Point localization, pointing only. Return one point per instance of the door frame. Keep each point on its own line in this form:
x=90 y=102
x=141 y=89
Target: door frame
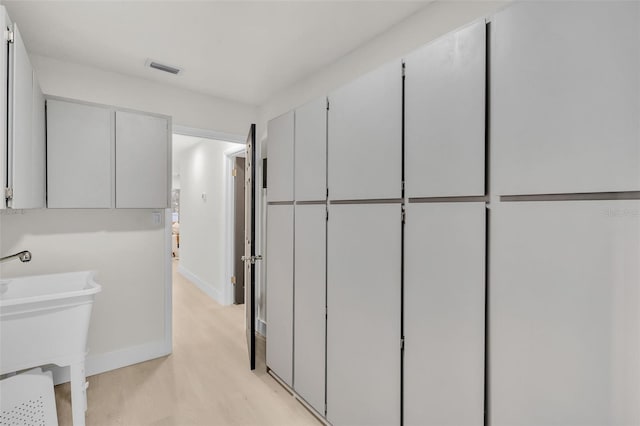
x=230 y=220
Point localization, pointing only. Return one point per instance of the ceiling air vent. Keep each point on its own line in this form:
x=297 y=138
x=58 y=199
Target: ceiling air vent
x=163 y=67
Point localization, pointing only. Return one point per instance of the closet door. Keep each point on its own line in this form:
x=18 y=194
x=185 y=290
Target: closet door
x=280 y=158
x=79 y=155
x=363 y=323
x=565 y=80
x=311 y=151
x=565 y=313
x=310 y=303
x=445 y=115
x=365 y=137
x=444 y=314
x=143 y=166
x=279 y=259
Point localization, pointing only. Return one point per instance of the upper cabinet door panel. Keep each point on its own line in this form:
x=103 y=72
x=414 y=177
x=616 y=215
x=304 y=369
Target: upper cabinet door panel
x=311 y=151
x=79 y=160
x=566 y=97
x=365 y=136
x=3 y=107
x=26 y=142
x=280 y=136
x=142 y=159
x=565 y=313
x=445 y=116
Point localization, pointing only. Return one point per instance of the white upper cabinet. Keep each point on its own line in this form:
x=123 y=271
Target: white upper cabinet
x=143 y=154
x=280 y=134
x=311 y=151
x=445 y=116
x=4 y=23
x=365 y=136
x=26 y=121
x=565 y=80
x=79 y=155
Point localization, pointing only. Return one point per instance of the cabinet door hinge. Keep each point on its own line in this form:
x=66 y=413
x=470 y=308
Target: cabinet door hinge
x=404 y=69
x=327 y=214
x=404 y=215
x=327 y=104
x=233 y=279
x=234 y=172
x=402 y=343
x=8 y=193
x=10 y=35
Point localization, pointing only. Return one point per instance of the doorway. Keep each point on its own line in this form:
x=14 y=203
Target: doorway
x=238 y=229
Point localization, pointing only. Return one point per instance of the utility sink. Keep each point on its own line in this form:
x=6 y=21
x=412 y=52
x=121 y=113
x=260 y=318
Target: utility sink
x=44 y=319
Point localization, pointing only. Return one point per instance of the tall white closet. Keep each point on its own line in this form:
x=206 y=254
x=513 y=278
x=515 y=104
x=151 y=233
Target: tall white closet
x=453 y=238
x=564 y=275
x=310 y=253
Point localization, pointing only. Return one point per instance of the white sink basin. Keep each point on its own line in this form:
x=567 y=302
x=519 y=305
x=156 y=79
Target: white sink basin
x=44 y=319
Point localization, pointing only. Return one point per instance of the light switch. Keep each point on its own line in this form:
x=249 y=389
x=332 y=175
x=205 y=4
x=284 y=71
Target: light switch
x=204 y=197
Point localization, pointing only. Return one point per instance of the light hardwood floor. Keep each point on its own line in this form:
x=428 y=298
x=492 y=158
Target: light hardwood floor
x=206 y=381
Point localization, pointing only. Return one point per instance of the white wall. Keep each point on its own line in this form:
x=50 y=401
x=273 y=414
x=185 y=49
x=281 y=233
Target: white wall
x=128 y=253
x=417 y=30
x=187 y=108
x=203 y=230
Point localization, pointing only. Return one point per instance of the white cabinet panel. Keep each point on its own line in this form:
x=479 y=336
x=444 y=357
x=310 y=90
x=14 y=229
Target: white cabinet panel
x=566 y=97
x=365 y=136
x=445 y=116
x=310 y=303
x=565 y=313
x=280 y=158
x=311 y=151
x=79 y=155
x=4 y=55
x=279 y=259
x=444 y=312
x=142 y=160
x=26 y=140
x=363 y=324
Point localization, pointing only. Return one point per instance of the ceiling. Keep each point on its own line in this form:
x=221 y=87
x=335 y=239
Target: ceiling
x=244 y=51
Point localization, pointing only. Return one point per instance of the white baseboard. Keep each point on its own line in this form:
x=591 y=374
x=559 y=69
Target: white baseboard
x=208 y=288
x=100 y=363
x=261 y=328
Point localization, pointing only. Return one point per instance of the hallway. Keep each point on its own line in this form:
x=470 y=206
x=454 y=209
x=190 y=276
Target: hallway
x=206 y=381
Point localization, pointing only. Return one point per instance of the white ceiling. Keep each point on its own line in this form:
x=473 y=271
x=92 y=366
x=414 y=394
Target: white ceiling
x=239 y=50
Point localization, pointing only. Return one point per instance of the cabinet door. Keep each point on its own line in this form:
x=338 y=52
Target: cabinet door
x=4 y=55
x=444 y=311
x=280 y=158
x=311 y=151
x=79 y=155
x=445 y=116
x=363 y=323
x=142 y=161
x=365 y=137
x=310 y=304
x=280 y=291
x=565 y=313
x=566 y=97
x=26 y=139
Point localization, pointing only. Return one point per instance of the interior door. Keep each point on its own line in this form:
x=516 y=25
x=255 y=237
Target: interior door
x=249 y=257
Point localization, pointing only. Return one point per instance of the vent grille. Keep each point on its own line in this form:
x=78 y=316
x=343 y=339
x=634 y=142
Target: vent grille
x=163 y=67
